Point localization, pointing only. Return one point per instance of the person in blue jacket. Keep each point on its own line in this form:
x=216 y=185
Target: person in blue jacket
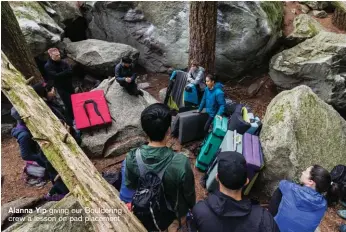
x=302 y=207
x=213 y=100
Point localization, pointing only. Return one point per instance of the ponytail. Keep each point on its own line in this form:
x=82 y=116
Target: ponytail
x=333 y=193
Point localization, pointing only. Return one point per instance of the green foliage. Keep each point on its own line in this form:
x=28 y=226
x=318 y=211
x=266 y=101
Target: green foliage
x=275 y=13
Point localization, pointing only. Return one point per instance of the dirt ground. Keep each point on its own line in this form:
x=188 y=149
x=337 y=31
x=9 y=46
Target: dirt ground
x=292 y=9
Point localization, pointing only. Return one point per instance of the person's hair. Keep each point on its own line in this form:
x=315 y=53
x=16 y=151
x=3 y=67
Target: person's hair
x=212 y=77
x=42 y=88
x=126 y=60
x=194 y=63
x=156 y=120
x=324 y=185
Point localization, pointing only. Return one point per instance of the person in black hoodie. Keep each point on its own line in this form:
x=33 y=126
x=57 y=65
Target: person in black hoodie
x=225 y=210
x=59 y=73
x=126 y=77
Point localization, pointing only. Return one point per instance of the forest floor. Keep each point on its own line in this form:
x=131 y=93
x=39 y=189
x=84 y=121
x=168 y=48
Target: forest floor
x=13 y=186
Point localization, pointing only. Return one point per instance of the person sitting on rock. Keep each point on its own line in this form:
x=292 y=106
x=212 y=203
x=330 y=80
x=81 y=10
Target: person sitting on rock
x=60 y=74
x=213 y=100
x=31 y=151
x=126 y=77
x=178 y=179
x=302 y=207
x=225 y=209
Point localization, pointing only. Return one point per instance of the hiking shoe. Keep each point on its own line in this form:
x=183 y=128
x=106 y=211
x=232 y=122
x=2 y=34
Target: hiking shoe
x=33 y=181
x=54 y=197
x=139 y=92
x=41 y=183
x=342 y=213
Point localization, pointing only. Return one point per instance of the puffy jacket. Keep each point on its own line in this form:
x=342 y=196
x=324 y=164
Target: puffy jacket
x=301 y=208
x=222 y=213
x=126 y=194
x=28 y=147
x=213 y=100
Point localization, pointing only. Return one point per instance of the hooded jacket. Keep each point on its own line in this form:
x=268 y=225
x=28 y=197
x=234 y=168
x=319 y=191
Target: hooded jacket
x=301 y=208
x=213 y=100
x=177 y=177
x=197 y=78
x=28 y=147
x=60 y=73
x=222 y=213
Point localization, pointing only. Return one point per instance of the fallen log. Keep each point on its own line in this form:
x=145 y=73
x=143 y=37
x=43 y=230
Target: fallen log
x=74 y=167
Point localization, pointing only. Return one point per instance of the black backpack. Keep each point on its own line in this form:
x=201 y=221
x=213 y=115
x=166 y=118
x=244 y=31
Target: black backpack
x=338 y=175
x=149 y=203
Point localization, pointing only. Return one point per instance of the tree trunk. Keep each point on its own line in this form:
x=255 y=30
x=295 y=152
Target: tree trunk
x=202 y=23
x=74 y=167
x=13 y=44
x=339 y=17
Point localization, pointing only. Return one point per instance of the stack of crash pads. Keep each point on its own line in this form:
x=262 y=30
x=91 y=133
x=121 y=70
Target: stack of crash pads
x=175 y=92
x=244 y=121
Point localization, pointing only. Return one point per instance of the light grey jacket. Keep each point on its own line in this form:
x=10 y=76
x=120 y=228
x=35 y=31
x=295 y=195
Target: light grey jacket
x=197 y=77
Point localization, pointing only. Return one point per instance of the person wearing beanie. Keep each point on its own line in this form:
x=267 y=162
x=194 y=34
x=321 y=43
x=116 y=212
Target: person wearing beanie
x=59 y=73
x=125 y=76
x=225 y=210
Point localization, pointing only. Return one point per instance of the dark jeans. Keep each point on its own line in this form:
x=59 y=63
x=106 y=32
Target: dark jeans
x=207 y=125
x=58 y=186
x=66 y=99
x=131 y=88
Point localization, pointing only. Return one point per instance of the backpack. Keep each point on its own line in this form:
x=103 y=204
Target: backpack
x=338 y=175
x=149 y=203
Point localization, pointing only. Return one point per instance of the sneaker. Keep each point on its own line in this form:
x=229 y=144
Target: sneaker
x=33 y=181
x=41 y=183
x=342 y=213
x=55 y=197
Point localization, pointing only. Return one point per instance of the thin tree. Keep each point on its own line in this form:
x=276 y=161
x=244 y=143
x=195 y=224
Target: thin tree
x=76 y=170
x=202 y=22
x=13 y=44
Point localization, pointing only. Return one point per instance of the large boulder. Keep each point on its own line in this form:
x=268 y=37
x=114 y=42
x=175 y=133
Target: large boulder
x=319 y=62
x=305 y=27
x=246 y=32
x=66 y=215
x=124 y=133
x=316 y=5
x=100 y=57
x=39 y=29
x=300 y=130
x=63 y=12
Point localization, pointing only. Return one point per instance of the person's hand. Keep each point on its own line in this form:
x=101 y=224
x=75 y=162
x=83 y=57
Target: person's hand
x=197 y=112
x=219 y=117
x=128 y=79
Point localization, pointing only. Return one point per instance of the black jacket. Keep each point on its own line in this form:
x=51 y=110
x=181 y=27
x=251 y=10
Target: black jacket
x=60 y=73
x=122 y=72
x=222 y=213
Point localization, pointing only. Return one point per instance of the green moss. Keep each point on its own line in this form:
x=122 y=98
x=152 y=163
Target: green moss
x=30 y=6
x=339 y=5
x=313 y=29
x=275 y=13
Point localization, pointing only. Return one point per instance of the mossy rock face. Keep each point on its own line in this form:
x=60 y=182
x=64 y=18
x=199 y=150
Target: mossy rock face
x=319 y=63
x=300 y=130
x=54 y=214
x=305 y=27
x=39 y=29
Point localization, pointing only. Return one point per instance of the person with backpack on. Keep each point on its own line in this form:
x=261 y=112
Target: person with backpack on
x=59 y=73
x=126 y=77
x=213 y=100
x=302 y=207
x=225 y=210
x=163 y=179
